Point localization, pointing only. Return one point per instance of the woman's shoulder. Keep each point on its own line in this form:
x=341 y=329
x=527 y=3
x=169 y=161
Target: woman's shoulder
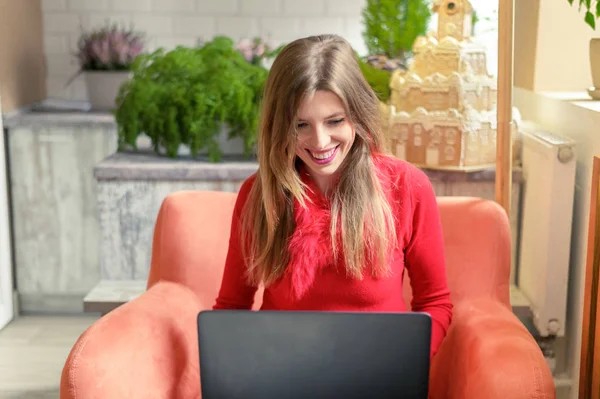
x=247 y=184
x=244 y=192
x=401 y=174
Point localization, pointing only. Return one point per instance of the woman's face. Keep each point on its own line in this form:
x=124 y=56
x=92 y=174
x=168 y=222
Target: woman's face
x=325 y=136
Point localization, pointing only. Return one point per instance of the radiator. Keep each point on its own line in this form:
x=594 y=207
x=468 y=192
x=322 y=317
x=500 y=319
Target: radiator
x=548 y=165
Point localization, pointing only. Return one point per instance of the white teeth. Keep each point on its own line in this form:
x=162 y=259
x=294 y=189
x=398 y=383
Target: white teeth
x=323 y=155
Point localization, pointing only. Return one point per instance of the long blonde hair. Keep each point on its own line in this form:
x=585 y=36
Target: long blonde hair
x=359 y=206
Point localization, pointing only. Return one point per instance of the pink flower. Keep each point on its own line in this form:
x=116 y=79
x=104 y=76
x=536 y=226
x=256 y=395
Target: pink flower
x=101 y=50
x=108 y=48
x=260 y=49
x=253 y=50
x=244 y=44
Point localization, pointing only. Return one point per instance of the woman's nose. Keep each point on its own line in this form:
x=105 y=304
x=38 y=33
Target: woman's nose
x=321 y=138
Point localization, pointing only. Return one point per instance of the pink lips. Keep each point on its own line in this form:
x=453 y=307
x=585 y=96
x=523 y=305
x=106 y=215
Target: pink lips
x=327 y=160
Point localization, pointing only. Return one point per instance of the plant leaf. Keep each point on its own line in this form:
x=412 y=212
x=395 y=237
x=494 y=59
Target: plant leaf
x=588 y=4
x=590 y=20
x=598 y=9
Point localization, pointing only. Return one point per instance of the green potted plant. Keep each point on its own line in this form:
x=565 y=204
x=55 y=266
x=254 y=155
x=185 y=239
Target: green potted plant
x=592 y=13
x=105 y=57
x=391 y=27
x=378 y=79
x=191 y=97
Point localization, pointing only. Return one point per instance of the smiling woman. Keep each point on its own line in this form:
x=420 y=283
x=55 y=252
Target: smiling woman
x=320 y=77
x=325 y=136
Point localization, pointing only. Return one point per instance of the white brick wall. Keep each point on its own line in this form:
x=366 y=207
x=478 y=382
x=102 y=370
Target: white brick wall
x=88 y=5
x=168 y=23
x=131 y=5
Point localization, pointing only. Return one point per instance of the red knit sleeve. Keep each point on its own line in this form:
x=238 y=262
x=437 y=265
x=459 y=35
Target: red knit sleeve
x=425 y=258
x=235 y=292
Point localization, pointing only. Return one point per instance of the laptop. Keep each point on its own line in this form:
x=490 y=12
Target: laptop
x=316 y=355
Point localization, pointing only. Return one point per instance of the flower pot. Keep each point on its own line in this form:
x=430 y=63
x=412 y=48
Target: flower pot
x=228 y=146
x=594 y=91
x=103 y=88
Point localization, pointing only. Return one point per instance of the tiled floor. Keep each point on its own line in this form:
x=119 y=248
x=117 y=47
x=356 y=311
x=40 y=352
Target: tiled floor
x=33 y=350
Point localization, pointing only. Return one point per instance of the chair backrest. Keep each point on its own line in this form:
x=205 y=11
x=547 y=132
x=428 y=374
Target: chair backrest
x=478 y=249
x=192 y=234
x=190 y=242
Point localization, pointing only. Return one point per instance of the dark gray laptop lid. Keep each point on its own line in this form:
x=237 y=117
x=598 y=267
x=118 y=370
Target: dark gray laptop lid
x=301 y=355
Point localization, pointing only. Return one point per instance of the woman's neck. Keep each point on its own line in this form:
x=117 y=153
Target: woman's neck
x=323 y=183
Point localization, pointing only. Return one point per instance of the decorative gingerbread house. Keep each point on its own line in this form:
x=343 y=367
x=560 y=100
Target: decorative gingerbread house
x=455 y=18
x=442 y=111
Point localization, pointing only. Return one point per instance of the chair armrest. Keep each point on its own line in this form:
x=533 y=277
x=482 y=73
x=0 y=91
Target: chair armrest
x=488 y=353
x=146 y=348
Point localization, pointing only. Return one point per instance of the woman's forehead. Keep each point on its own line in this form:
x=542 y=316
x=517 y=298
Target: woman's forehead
x=320 y=104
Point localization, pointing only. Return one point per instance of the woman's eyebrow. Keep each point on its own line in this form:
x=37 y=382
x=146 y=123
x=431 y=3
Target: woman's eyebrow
x=339 y=113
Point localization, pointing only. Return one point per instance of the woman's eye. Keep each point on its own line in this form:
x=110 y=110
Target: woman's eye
x=336 y=121
x=301 y=125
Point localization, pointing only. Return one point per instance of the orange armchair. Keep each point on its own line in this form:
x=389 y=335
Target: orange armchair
x=148 y=347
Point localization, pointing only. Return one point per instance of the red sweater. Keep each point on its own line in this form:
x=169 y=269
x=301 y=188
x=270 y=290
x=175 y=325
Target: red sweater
x=313 y=282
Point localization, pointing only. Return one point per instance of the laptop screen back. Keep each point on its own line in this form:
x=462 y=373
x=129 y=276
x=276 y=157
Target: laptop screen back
x=299 y=355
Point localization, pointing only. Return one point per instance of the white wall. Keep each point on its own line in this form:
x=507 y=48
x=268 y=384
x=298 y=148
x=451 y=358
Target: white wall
x=560 y=46
x=562 y=59
x=168 y=23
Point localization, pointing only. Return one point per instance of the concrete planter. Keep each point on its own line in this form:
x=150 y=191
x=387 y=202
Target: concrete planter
x=230 y=147
x=130 y=189
x=103 y=87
